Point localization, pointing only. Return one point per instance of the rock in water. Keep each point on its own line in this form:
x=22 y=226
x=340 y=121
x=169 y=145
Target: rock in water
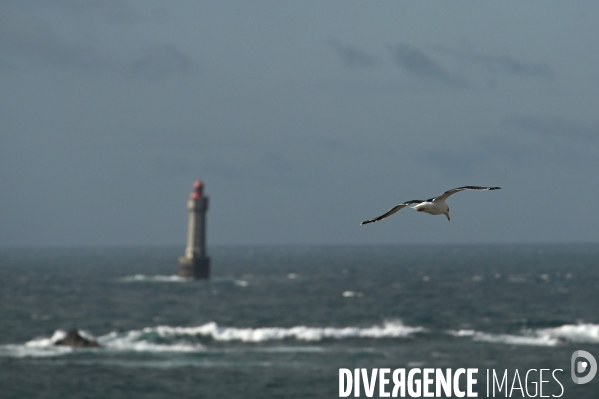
x=75 y=340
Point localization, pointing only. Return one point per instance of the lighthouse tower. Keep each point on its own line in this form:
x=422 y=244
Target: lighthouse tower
x=195 y=263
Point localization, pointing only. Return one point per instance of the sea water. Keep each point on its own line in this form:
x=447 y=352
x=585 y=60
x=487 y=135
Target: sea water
x=280 y=322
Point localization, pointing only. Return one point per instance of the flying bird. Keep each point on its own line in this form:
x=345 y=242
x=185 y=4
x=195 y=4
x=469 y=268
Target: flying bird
x=432 y=206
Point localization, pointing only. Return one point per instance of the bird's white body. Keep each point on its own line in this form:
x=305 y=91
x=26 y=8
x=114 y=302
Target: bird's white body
x=438 y=207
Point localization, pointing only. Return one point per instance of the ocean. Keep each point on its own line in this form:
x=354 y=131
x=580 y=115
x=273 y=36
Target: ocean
x=280 y=322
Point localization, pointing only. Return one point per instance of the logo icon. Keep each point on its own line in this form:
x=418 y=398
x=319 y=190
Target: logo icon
x=578 y=366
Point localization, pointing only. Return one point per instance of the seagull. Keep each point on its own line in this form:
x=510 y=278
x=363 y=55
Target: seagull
x=432 y=206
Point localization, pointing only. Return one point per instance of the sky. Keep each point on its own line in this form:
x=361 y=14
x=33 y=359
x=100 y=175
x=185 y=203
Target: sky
x=303 y=118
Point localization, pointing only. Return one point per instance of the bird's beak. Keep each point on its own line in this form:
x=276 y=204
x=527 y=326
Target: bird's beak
x=448 y=218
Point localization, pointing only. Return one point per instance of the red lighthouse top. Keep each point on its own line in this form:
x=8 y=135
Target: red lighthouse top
x=198 y=189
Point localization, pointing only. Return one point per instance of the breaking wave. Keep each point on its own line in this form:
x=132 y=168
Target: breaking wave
x=508 y=339
x=575 y=333
x=154 y=279
x=131 y=341
x=164 y=339
x=39 y=347
x=390 y=329
x=187 y=339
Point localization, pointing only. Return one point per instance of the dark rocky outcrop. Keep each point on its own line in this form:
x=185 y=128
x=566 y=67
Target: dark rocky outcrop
x=75 y=340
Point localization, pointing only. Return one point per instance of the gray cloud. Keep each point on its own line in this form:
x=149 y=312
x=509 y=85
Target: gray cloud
x=352 y=56
x=417 y=63
x=497 y=63
x=513 y=66
x=552 y=127
x=161 y=62
x=549 y=141
x=27 y=40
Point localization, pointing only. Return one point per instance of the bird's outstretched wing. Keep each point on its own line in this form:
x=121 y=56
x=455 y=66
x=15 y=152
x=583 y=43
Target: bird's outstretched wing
x=391 y=211
x=455 y=190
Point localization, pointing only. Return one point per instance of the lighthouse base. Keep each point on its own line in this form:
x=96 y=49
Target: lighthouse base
x=196 y=268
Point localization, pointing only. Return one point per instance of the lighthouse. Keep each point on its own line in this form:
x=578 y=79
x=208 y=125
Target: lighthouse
x=195 y=263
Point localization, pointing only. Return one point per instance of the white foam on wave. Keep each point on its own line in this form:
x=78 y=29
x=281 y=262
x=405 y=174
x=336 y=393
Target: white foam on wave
x=45 y=342
x=352 y=294
x=154 y=279
x=140 y=341
x=131 y=341
x=38 y=347
x=390 y=329
x=508 y=339
x=578 y=333
x=21 y=351
x=184 y=339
